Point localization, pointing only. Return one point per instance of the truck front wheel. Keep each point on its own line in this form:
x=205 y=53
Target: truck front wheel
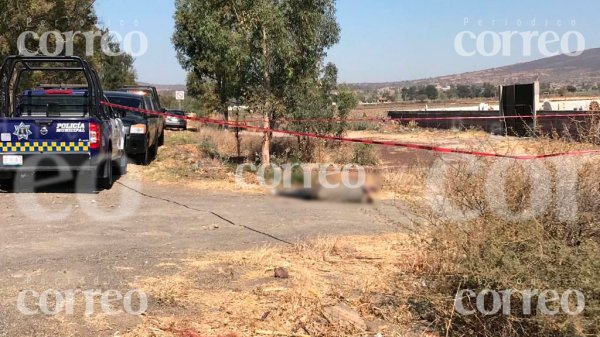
x=144 y=158
x=161 y=139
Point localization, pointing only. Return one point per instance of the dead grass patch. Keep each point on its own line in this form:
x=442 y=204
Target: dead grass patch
x=238 y=293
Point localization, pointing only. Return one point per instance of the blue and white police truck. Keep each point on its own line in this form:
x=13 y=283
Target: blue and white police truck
x=58 y=127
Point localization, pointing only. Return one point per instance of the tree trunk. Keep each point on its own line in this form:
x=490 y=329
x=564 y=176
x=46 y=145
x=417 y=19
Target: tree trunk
x=266 y=146
x=224 y=102
x=238 y=141
x=225 y=114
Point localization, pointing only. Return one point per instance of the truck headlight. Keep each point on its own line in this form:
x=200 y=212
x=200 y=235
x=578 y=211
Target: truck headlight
x=138 y=129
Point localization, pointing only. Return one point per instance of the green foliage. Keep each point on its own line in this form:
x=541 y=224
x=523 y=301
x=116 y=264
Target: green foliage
x=209 y=148
x=422 y=98
x=202 y=96
x=181 y=138
x=562 y=91
x=421 y=94
x=365 y=154
x=213 y=45
x=263 y=53
x=346 y=102
x=431 y=92
x=464 y=91
x=114 y=71
x=42 y=16
x=489 y=90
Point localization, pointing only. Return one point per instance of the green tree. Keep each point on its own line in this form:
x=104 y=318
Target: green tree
x=346 y=101
x=412 y=93
x=562 y=91
x=213 y=44
x=451 y=93
x=404 y=94
x=257 y=50
x=489 y=90
x=476 y=91
x=463 y=91
x=168 y=101
x=431 y=92
x=39 y=16
x=422 y=98
x=205 y=94
x=115 y=71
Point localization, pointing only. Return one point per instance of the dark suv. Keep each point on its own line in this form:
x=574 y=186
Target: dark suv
x=154 y=105
x=142 y=131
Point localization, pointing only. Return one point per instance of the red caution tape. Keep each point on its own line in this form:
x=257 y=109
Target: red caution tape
x=433 y=148
x=416 y=119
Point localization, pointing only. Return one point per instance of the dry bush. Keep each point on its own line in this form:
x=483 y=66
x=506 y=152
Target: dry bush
x=405 y=182
x=590 y=131
x=481 y=240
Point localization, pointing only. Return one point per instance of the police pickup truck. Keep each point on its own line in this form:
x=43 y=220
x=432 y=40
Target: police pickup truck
x=58 y=128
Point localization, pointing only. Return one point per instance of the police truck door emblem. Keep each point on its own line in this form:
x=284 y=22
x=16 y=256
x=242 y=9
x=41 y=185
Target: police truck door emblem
x=44 y=131
x=22 y=131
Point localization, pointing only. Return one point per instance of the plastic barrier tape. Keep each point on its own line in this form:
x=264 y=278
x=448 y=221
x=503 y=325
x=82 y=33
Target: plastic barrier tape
x=433 y=148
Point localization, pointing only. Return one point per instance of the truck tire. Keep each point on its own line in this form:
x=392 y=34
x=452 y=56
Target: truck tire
x=7 y=182
x=105 y=183
x=123 y=164
x=154 y=152
x=161 y=139
x=144 y=158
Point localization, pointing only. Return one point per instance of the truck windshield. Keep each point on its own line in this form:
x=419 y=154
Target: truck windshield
x=132 y=102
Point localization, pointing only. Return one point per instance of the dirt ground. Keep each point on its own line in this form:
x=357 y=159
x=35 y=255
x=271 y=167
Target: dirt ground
x=218 y=260
x=115 y=239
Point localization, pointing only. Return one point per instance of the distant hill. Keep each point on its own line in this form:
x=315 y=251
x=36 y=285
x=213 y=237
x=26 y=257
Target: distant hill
x=166 y=87
x=560 y=70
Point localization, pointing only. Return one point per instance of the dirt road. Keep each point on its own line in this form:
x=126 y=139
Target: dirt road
x=66 y=241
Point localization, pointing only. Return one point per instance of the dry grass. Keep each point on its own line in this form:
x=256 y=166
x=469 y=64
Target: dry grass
x=237 y=293
x=396 y=283
x=201 y=158
x=206 y=158
x=496 y=251
x=474 y=140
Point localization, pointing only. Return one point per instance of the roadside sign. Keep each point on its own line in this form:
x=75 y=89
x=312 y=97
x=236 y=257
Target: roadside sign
x=180 y=95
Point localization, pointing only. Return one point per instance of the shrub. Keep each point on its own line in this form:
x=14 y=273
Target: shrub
x=365 y=154
x=209 y=148
x=497 y=253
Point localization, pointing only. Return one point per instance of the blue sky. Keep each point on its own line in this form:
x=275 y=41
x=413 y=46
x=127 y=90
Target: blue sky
x=384 y=40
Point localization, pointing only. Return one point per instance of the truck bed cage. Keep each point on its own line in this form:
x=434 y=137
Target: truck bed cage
x=13 y=68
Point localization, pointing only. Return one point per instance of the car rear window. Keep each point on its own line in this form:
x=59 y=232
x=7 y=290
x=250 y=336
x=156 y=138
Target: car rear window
x=52 y=105
x=132 y=102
